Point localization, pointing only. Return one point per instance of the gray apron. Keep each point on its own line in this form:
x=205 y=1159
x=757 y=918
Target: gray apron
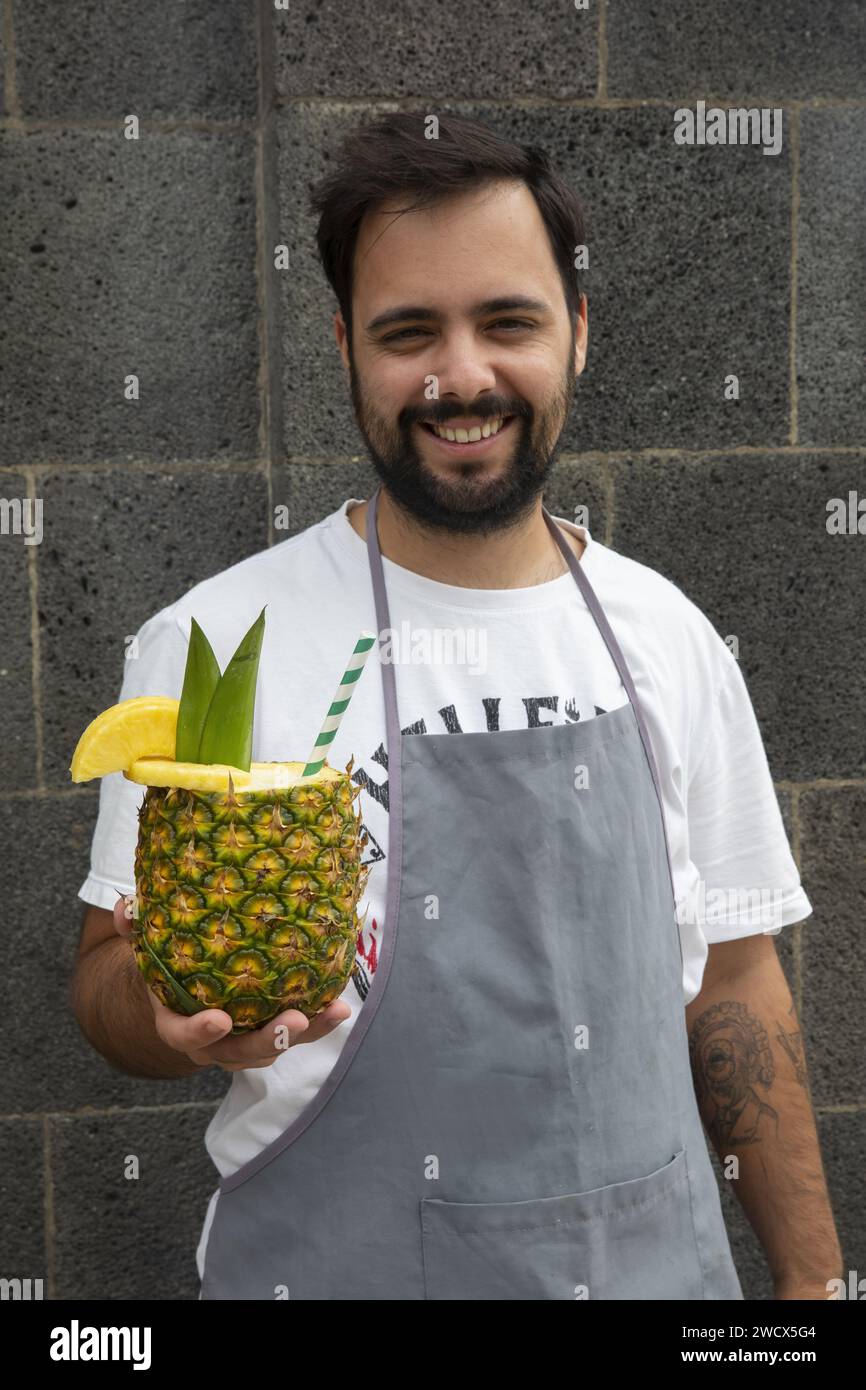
x=512 y=1115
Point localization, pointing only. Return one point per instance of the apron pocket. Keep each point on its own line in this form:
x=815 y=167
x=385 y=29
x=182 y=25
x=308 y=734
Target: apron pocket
x=630 y=1240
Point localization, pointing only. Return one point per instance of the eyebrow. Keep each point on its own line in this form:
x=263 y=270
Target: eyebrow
x=484 y=306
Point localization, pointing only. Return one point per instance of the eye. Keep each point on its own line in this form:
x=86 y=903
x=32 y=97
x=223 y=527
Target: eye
x=401 y=335
x=396 y=337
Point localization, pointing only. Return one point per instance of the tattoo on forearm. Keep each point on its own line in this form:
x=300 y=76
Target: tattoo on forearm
x=731 y=1056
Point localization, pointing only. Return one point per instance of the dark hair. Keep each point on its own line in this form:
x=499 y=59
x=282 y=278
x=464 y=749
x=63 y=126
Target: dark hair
x=392 y=157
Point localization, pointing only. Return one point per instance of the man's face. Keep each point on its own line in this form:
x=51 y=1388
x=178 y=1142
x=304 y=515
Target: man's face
x=508 y=361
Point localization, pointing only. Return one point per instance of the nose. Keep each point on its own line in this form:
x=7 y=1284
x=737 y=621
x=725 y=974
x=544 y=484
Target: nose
x=463 y=368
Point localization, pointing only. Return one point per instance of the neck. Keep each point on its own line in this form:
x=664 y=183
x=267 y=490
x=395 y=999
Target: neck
x=516 y=558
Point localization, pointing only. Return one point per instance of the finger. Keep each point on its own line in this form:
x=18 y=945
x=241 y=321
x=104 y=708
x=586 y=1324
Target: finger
x=123 y=919
x=325 y=1022
x=190 y=1033
x=262 y=1046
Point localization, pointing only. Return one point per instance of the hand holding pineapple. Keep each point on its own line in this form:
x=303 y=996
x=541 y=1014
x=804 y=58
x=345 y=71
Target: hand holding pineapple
x=247 y=874
x=206 y=1037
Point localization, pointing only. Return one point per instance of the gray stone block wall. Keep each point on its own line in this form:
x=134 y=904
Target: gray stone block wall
x=154 y=257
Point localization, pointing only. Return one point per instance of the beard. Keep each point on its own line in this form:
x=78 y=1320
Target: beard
x=482 y=497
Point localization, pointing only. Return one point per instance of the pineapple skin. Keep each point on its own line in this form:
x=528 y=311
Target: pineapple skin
x=248 y=899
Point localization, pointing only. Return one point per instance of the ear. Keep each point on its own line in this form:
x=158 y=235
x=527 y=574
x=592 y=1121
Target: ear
x=581 y=335
x=342 y=337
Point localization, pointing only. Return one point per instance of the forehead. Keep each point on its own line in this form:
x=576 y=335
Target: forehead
x=462 y=244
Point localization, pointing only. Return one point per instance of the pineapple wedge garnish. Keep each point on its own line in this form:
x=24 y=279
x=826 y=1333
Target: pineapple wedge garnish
x=123 y=733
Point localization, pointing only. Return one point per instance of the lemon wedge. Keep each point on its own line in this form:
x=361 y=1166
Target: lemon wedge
x=145 y=726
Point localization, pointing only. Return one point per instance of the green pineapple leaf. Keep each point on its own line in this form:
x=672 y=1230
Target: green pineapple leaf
x=187 y=1004
x=227 y=735
x=200 y=680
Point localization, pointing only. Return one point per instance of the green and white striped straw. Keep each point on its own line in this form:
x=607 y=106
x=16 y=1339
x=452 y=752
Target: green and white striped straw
x=340 y=702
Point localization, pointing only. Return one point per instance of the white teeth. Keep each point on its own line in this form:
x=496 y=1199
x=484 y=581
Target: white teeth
x=471 y=436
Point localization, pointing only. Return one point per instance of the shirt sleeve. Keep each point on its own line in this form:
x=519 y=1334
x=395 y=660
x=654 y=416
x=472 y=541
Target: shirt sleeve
x=749 y=881
x=155 y=666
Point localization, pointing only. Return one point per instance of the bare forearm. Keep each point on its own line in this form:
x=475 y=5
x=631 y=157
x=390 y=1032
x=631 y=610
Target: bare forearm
x=749 y=1069
x=114 y=1013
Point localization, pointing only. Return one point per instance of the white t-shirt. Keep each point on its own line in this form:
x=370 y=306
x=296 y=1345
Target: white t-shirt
x=542 y=661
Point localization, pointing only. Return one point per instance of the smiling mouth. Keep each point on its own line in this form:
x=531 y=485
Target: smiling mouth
x=459 y=439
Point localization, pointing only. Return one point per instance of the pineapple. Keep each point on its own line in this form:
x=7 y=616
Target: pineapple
x=247 y=874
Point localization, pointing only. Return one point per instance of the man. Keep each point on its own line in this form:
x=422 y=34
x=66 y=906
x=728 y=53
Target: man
x=507 y=1100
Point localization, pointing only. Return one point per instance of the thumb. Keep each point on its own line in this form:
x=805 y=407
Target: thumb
x=123 y=920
